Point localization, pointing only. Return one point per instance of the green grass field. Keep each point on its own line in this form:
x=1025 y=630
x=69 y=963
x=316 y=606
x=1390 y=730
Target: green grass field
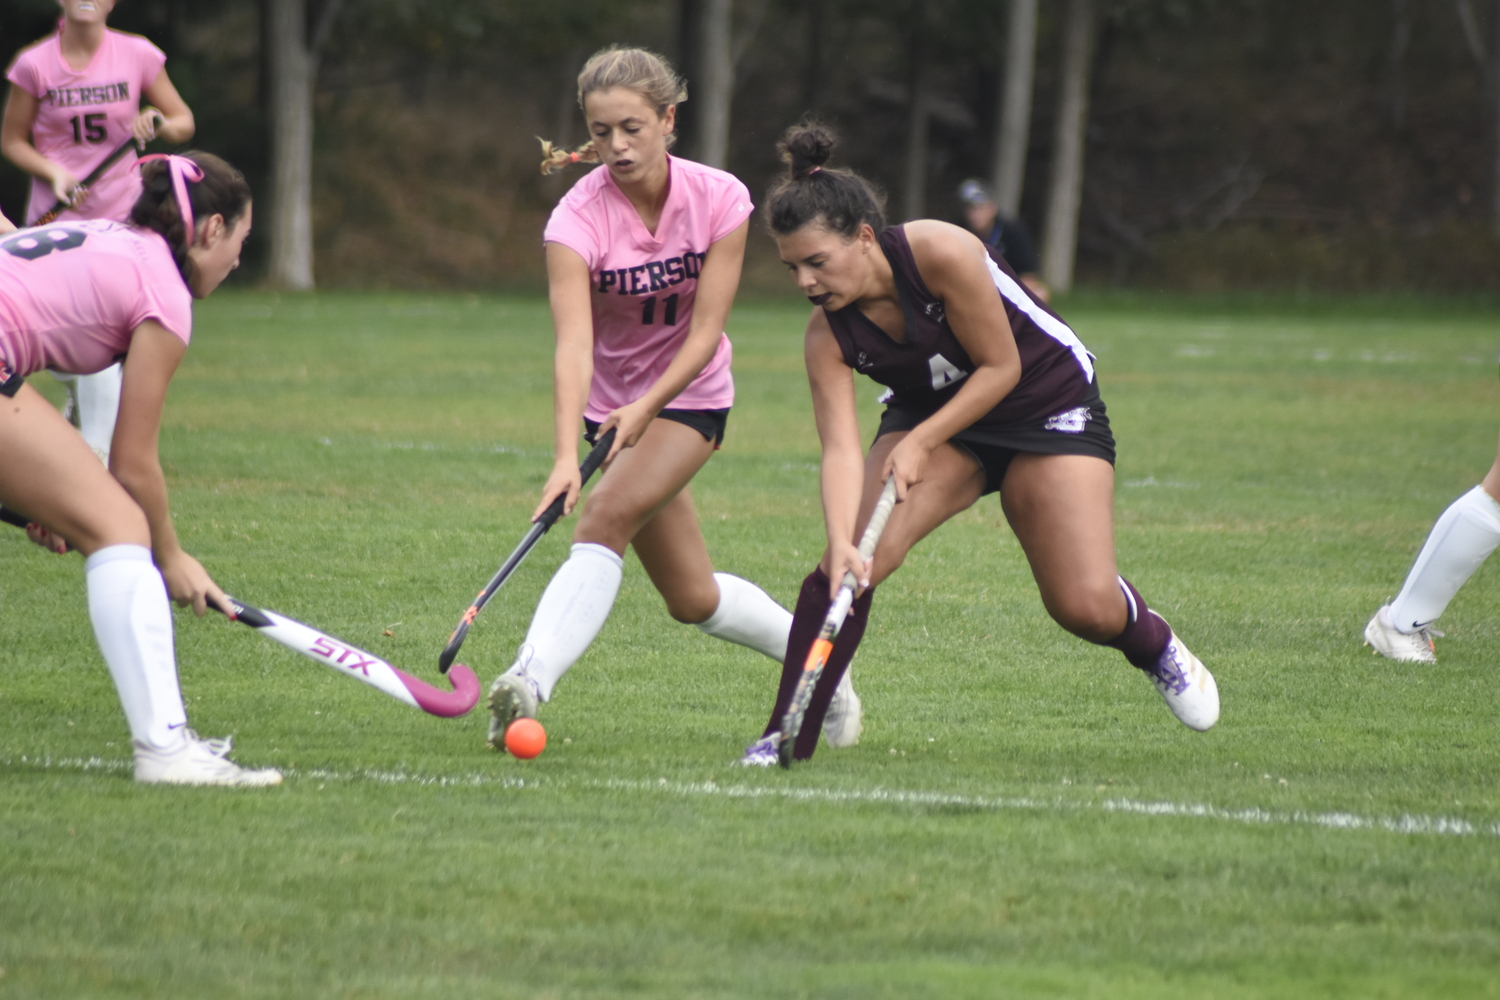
x=1023 y=817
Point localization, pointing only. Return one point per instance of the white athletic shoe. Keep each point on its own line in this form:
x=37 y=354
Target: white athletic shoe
x=197 y=762
x=761 y=753
x=512 y=697
x=1389 y=641
x=845 y=719
x=1186 y=686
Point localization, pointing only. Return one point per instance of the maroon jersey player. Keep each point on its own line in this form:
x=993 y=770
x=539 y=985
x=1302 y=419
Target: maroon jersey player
x=989 y=392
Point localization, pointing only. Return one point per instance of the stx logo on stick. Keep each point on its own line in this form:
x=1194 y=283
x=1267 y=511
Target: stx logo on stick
x=336 y=654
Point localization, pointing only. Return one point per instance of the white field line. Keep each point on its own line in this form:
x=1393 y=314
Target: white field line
x=1406 y=823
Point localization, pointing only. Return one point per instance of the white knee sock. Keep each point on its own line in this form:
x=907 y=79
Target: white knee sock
x=133 y=623
x=98 y=406
x=571 y=612
x=1462 y=539
x=747 y=615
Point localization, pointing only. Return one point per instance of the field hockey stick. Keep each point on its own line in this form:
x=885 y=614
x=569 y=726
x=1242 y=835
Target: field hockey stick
x=817 y=656
x=538 y=528
x=345 y=659
x=97 y=173
x=360 y=665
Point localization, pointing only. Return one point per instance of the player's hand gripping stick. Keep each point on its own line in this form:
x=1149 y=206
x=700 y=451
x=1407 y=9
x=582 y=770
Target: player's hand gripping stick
x=538 y=528
x=98 y=172
x=817 y=656
x=360 y=665
x=344 y=658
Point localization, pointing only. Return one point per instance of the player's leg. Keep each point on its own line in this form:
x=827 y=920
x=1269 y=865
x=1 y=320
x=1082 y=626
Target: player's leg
x=1463 y=538
x=94 y=405
x=636 y=485
x=49 y=474
x=673 y=553
x=1061 y=508
x=953 y=482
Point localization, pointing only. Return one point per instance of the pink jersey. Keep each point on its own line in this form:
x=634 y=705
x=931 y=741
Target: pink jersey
x=72 y=294
x=644 y=285
x=84 y=115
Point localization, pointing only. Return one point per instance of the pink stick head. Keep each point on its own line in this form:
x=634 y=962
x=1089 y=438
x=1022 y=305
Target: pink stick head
x=446 y=704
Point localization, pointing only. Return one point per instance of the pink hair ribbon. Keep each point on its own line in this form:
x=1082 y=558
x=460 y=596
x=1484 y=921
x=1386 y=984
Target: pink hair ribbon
x=182 y=170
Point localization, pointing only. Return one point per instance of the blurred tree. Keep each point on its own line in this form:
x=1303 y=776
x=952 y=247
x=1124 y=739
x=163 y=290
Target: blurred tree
x=715 y=92
x=1013 y=131
x=292 y=59
x=1070 y=126
x=919 y=85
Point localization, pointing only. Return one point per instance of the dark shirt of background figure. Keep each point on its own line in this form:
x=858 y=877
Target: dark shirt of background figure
x=1009 y=236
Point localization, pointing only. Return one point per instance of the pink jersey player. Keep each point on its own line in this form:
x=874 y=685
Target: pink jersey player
x=75 y=98
x=77 y=295
x=643 y=261
x=645 y=283
x=72 y=295
x=84 y=114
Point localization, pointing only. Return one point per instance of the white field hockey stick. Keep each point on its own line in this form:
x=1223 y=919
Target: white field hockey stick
x=817 y=656
x=344 y=658
x=363 y=666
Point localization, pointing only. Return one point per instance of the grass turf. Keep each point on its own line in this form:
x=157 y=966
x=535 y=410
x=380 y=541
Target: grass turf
x=1023 y=816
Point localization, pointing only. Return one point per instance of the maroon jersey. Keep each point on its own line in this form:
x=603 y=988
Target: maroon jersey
x=927 y=370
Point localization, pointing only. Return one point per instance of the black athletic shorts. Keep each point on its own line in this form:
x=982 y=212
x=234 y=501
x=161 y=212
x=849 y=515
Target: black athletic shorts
x=709 y=423
x=10 y=382
x=1082 y=429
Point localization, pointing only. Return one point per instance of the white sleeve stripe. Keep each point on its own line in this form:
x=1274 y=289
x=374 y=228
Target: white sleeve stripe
x=1045 y=321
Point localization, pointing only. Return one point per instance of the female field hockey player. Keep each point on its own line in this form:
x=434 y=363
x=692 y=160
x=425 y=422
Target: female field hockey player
x=75 y=97
x=184 y=237
x=1463 y=538
x=989 y=392
x=643 y=260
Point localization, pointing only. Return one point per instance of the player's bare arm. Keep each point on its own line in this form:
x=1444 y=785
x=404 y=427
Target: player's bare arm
x=135 y=461
x=569 y=287
x=842 y=470
x=15 y=143
x=175 y=124
x=953 y=264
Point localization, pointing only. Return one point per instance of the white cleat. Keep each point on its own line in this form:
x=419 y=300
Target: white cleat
x=1186 y=686
x=197 y=762
x=1389 y=641
x=512 y=697
x=761 y=753
x=845 y=719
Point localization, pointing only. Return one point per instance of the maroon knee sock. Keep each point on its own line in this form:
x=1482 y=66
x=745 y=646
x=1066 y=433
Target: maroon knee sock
x=807 y=621
x=1146 y=634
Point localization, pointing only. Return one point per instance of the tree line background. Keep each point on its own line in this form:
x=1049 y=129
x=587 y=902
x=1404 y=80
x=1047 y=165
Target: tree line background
x=1340 y=145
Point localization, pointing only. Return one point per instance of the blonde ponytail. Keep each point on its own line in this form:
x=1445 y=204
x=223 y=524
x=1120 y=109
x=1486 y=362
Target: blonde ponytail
x=554 y=158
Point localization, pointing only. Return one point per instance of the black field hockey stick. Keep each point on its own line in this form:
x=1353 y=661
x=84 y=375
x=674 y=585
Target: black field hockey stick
x=539 y=528
x=817 y=656
x=94 y=175
x=344 y=658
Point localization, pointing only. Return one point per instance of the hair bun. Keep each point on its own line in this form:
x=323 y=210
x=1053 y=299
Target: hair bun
x=806 y=147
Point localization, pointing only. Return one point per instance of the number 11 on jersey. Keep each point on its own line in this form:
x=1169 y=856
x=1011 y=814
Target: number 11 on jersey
x=668 y=312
